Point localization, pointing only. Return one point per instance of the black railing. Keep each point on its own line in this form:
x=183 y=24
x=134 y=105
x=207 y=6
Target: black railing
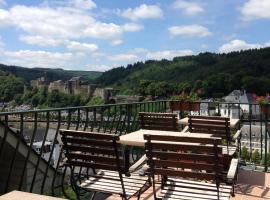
x=30 y=148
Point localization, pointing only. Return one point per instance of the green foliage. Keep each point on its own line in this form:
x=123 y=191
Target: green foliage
x=245 y=153
x=43 y=99
x=10 y=86
x=185 y=98
x=267 y=160
x=95 y=101
x=52 y=74
x=256 y=158
x=214 y=75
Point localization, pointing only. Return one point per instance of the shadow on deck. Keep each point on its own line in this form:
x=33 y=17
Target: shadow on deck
x=251 y=185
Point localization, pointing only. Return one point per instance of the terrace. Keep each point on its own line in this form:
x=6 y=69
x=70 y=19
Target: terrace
x=31 y=154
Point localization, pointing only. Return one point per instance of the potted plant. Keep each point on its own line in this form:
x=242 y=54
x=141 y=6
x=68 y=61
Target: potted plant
x=184 y=102
x=264 y=103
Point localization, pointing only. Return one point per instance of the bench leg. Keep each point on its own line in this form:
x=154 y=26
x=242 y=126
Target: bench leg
x=93 y=195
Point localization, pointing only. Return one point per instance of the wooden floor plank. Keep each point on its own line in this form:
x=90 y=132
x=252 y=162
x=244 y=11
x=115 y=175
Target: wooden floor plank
x=109 y=182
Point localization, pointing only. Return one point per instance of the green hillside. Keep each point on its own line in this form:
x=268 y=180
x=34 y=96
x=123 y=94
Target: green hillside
x=209 y=73
x=10 y=86
x=52 y=74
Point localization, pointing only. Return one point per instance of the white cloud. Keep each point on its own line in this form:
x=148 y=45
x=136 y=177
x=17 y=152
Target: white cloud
x=28 y=58
x=189 y=8
x=116 y=42
x=103 y=31
x=123 y=57
x=168 y=54
x=84 y=4
x=142 y=12
x=132 y=27
x=41 y=40
x=189 y=31
x=60 y=23
x=82 y=47
x=3 y=17
x=237 y=45
x=49 y=22
x=139 y=51
x=100 y=68
x=255 y=9
x=267 y=44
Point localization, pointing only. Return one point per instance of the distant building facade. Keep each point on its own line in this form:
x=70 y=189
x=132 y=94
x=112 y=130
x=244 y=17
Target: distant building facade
x=57 y=85
x=239 y=103
x=37 y=83
x=77 y=86
x=257 y=135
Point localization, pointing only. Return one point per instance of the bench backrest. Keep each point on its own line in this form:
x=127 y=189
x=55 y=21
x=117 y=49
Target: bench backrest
x=186 y=157
x=218 y=126
x=158 y=121
x=92 y=150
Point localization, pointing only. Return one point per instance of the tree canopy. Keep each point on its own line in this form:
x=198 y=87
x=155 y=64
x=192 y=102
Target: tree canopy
x=210 y=73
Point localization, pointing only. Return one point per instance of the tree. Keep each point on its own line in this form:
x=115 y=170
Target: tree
x=143 y=84
x=151 y=89
x=267 y=160
x=245 y=153
x=10 y=85
x=95 y=101
x=256 y=158
x=162 y=88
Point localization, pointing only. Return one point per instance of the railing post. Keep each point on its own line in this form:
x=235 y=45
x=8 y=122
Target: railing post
x=250 y=134
x=265 y=138
x=129 y=113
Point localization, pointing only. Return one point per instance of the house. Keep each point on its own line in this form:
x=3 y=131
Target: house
x=207 y=107
x=239 y=103
x=253 y=136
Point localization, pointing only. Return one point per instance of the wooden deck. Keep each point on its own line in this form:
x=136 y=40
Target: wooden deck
x=251 y=185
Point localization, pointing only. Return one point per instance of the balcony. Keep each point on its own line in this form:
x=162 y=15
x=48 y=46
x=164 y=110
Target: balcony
x=31 y=155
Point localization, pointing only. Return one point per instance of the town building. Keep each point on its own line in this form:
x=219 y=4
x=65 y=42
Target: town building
x=39 y=82
x=239 y=104
x=254 y=136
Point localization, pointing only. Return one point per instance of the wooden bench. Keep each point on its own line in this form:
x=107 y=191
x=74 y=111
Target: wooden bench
x=188 y=170
x=159 y=121
x=219 y=127
x=101 y=154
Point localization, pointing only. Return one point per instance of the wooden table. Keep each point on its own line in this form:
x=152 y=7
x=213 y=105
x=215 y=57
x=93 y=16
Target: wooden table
x=18 y=195
x=136 y=138
x=233 y=122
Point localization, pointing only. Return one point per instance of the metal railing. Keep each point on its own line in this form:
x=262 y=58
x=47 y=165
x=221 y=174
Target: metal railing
x=38 y=168
x=30 y=146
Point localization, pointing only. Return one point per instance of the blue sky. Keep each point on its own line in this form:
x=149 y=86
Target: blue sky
x=99 y=35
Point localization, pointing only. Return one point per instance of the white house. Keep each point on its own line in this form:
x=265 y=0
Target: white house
x=239 y=103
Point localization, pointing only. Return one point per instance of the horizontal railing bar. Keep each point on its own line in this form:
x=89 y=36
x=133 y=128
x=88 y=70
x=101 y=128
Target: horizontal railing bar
x=109 y=105
x=74 y=108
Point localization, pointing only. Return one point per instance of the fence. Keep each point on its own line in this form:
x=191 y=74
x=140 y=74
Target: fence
x=30 y=147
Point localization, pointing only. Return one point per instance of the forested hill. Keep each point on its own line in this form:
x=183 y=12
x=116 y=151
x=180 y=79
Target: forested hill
x=29 y=74
x=208 y=72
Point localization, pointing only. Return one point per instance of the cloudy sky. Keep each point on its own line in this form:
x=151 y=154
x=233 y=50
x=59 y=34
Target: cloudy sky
x=102 y=34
